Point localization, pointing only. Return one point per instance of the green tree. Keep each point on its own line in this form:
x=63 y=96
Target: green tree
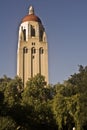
x=79 y=83
x=13 y=90
x=6 y=123
x=38 y=96
x=70 y=101
x=3 y=84
x=61 y=102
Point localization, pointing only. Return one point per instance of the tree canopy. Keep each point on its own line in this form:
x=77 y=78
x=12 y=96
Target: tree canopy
x=39 y=106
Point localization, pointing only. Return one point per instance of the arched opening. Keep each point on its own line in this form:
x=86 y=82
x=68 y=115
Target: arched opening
x=24 y=34
x=25 y=50
x=33 y=50
x=32 y=31
x=25 y=58
x=41 y=50
x=41 y=35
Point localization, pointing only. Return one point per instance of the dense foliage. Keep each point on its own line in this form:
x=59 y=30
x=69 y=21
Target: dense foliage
x=39 y=106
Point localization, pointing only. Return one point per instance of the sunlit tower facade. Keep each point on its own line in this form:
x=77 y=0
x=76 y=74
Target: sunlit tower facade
x=32 y=52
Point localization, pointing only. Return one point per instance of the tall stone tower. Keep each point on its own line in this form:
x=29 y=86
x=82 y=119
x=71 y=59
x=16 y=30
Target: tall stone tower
x=32 y=53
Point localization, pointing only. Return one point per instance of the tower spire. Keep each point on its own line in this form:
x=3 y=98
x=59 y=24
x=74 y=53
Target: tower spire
x=31 y=10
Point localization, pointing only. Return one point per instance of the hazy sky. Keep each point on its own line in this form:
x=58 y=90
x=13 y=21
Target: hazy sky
x=65 y=22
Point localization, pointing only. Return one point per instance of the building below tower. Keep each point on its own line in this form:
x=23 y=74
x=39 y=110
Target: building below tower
x=32 y=53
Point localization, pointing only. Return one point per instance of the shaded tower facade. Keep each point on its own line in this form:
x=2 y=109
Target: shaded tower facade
x=32 y=52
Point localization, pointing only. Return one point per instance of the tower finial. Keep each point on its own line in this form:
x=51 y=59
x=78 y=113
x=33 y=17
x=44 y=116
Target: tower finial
x=31 y=10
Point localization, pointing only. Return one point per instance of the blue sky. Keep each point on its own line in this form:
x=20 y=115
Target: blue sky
x=65 y=22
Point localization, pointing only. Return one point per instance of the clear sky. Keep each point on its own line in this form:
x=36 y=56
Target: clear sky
x=65 y=22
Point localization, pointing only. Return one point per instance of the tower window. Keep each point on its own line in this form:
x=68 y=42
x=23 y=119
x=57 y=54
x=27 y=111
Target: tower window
x=41 y=35
x=33 y=43
x=24 y=33
x=33 y=50
x=41 y=50
x=32 y=31
x=25 y=50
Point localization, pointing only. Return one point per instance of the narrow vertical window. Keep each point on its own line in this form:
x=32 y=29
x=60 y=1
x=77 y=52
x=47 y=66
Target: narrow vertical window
x=32 y=31
x=24 y=33
x=41 y=51
x=33 y=50
x=25 y=50
x=41 y=35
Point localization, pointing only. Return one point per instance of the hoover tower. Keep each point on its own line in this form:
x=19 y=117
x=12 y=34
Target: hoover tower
x=32 y=52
